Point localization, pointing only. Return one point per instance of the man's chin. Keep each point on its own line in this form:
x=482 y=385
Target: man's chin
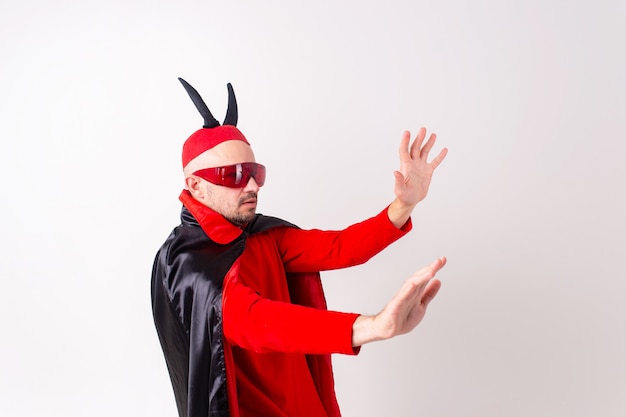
x=241 y=219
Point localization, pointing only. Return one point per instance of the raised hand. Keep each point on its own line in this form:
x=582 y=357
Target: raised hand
x=413 y=178
x=405 y=310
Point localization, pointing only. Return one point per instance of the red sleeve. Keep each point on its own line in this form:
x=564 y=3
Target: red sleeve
x=262 y=325
x=318 y=250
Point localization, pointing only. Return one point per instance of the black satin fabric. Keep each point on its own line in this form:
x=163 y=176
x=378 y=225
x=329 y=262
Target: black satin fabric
x=187 y=278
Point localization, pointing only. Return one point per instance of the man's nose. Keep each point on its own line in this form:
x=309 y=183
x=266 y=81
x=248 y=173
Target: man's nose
x=252 y=186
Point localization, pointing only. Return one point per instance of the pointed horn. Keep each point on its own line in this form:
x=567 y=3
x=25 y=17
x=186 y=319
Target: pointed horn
x=209 y=120
x=231 y=113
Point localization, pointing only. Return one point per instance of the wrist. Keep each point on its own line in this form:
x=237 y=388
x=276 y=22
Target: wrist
x=364 y=331
x=399 y=212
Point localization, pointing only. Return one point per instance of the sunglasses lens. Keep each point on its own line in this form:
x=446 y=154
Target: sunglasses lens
x=231 y=176
x=252 y=170
x=259 y=175
x=234 y=176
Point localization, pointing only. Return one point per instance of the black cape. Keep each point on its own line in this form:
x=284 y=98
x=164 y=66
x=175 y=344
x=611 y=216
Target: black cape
x=187 y=279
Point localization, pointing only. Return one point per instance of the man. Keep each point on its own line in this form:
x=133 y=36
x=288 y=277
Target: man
x=237 y=299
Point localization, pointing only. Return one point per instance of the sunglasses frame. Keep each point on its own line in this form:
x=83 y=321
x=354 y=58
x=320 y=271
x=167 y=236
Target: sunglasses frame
x=234 y=176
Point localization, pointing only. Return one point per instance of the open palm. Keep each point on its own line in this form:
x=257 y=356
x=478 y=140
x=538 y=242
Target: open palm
x=413 y=178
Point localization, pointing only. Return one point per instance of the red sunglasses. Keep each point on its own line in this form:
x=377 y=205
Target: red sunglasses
x=234 y=176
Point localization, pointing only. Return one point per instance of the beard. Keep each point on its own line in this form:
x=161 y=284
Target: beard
x=242 y=218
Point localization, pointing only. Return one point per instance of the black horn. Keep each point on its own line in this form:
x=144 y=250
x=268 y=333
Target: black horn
x=209 y=120
x=231 y=112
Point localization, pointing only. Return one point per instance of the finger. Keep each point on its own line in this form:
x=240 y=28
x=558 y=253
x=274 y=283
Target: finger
x=409 y=290
x=420 y=278
x=435 y=163
x=419 y=284
x=428 y=146
x=410 y=295
x=423 y=294
x=404 y=146
x=439 y=263
x=435 y=266
x=414 y=286
x=402 y=300
x=430 y=292
x=417 y=143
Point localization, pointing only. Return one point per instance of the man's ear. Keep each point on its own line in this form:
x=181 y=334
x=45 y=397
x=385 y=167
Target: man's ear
x=193 y=185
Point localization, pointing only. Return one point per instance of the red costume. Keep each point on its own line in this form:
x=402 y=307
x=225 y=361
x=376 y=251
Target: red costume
x=241 y=314
x=267 y=335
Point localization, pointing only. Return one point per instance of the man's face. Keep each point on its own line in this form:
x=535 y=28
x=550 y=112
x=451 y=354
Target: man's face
x=238 y=205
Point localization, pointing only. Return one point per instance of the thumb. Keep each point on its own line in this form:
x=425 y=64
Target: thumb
x=400 y=179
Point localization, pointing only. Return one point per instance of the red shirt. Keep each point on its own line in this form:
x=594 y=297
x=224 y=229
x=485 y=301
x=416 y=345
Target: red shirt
x=266 y=334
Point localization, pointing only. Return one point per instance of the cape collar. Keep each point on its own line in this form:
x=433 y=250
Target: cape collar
x=216 y=226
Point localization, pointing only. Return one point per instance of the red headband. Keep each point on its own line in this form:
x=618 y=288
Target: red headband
x=212 y=133
x=204 y=139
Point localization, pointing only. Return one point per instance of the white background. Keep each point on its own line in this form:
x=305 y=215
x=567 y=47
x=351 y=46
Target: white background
x=529 y=96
